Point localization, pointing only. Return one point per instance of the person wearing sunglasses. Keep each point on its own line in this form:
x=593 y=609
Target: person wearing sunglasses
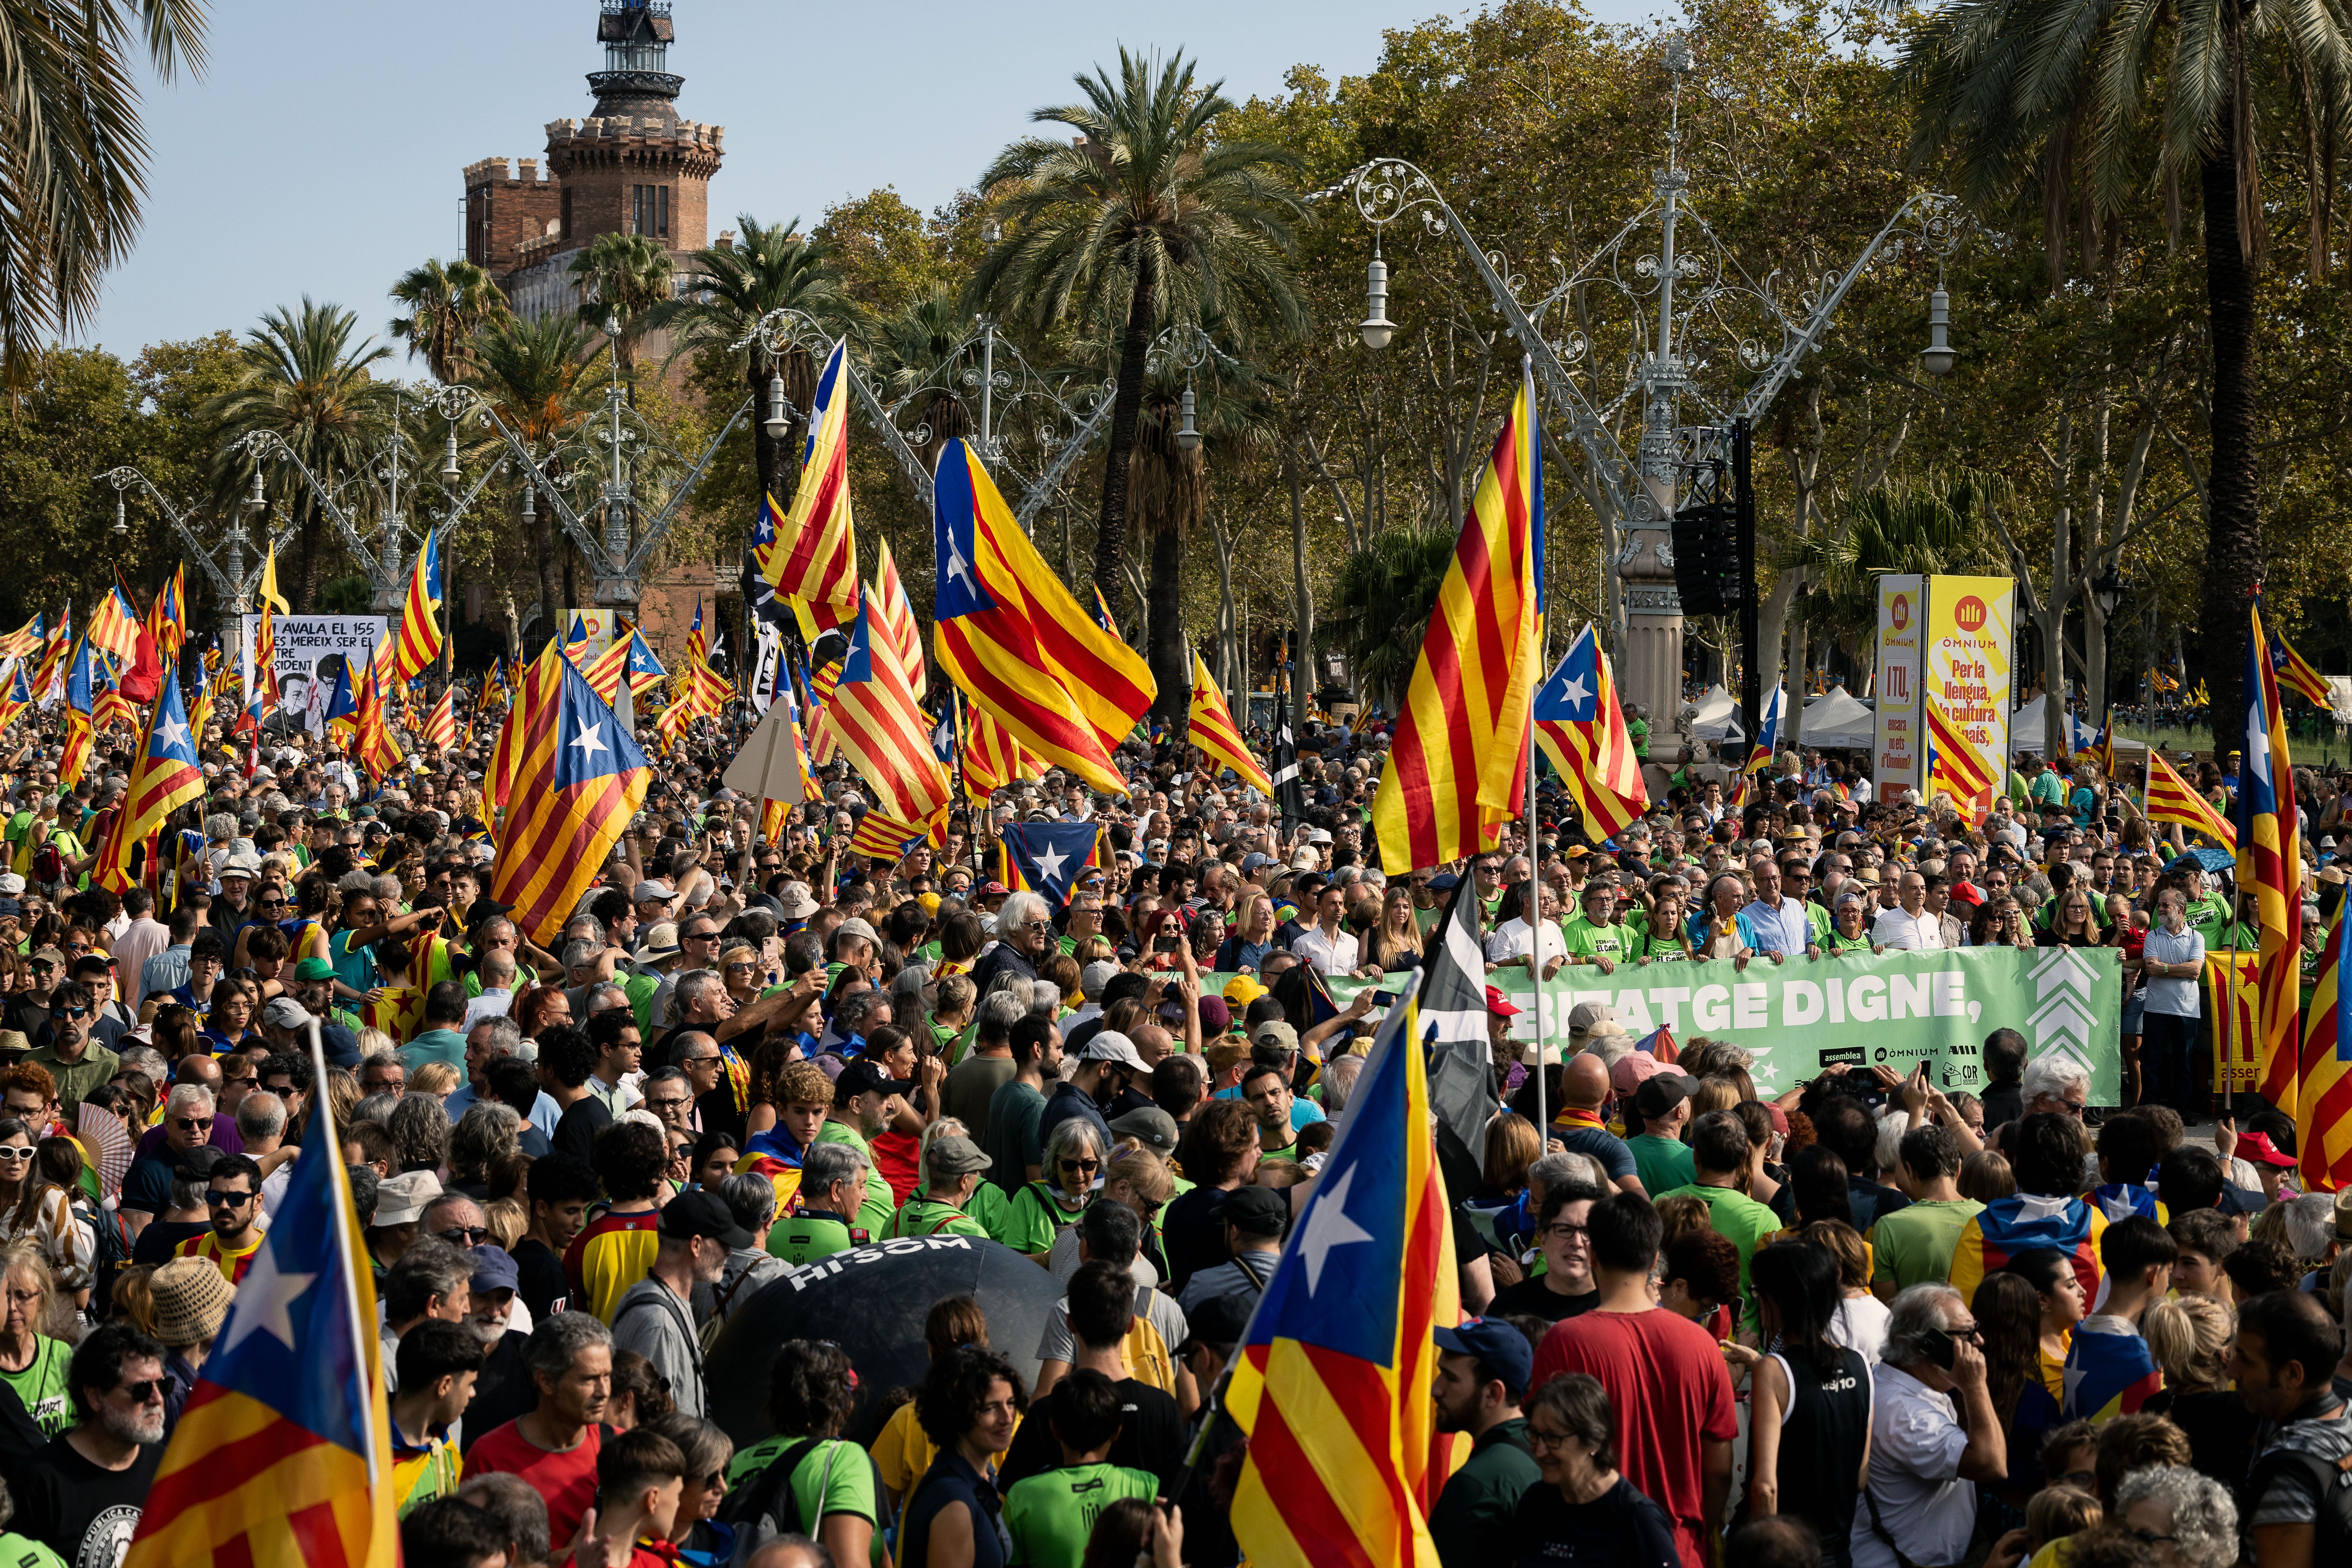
x=69 y=1050
x=233 y=1209
x=80 y=1495
x=188 y=1117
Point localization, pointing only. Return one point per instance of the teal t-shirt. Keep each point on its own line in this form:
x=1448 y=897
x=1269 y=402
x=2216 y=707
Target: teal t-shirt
x=1663 y=1164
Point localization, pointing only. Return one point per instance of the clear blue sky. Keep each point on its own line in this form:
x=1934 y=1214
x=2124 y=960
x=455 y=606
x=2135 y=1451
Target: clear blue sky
x=321 y=152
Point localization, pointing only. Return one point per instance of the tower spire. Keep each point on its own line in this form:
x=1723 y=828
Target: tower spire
x=636 y=36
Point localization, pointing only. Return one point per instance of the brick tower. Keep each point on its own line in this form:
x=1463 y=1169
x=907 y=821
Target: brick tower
x=631 y=166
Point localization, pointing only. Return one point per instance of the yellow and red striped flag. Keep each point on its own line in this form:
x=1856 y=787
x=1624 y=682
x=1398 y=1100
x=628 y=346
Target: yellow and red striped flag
x=578 y=780
x=1011 y=638
x=2322 y=1133
x=418 y=647
x=1457 y=770
x=2171 y=798
x=81 y=697
x=440 y=731
x=810 y=555
x=896 y=615
x=114 y=625
x=166 y=777
x=873 y=717
x=2294 y=672
x=18 y=695
x=24 y=642
x=1581 y=728
x=604 y=672
x=1968 y=779
x=167 y=617
x=2270 y=866
x=53 y=657
x=1331 y=1383
x=377 y=751
x=1215 y=734
x=534 y=703
x=881 y=836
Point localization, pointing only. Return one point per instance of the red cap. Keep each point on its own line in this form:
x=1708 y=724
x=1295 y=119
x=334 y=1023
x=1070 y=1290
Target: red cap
x=1500 y=1005
x=2254 y=1146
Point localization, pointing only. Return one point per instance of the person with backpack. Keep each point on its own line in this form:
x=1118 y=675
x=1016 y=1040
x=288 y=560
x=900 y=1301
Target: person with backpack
x=1151 y=1433
x=952 y=1167
x=2295 y=1507
x=806 y=1480
x=655 y=1318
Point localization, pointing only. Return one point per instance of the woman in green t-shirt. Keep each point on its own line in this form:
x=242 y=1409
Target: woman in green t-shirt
x=1665 y=937
x=31 y=1363
x=1042 y=1209
x=1849 y=927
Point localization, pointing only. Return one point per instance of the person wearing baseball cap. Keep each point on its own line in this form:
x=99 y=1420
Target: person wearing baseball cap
x=952 y=1166
x=1483 y=1367
x=1254 y=1219
x=1106 y=1065
x=861 y=1113
x=656 y=1317
x=1661 y=1101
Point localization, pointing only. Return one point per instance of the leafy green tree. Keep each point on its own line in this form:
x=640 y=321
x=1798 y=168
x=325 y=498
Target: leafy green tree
x=73 y=154
x=302 y=377
x=909 y=349
x=448 y=302
x=1146 y=216
x=623 y=277
x=541 y=377
x=2021 y=98
x=1383 y=602
x=726 y=293
x=887 y=254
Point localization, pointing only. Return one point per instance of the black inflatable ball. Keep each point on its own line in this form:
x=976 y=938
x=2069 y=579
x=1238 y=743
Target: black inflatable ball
x=871 y=1301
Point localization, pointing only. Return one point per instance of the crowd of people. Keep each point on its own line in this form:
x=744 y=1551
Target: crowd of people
x=1870 y=1320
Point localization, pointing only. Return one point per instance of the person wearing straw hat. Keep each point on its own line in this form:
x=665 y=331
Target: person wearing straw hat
x=191 y=1299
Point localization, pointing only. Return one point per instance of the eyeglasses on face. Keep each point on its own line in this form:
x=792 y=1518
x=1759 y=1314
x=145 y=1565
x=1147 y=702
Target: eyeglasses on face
x=1079 y=1164
x=149 y=1390
x=69 y=1012
x=219 y=1200
x=465 y=1234
x=667 y=1102
x=192 y=1123
x=15 y=1151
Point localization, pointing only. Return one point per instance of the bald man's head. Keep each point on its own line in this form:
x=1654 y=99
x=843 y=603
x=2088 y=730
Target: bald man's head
x=197 y=1067
x=1584 y=1084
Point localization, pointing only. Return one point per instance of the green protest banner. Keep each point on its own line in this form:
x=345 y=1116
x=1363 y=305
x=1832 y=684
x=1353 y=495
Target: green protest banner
x=1895 y=1009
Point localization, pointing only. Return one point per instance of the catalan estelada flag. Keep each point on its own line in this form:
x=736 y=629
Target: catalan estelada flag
x=705 y=693
x=1581 y=728
x=53 y=658
x=166 y=777
x=1457 y=768
x=418 y=646
x=1767 y=731
x=895 y=617
x=579 y=777
x=112 y=707
x=2294 y=672
x=777 y=1156
x=604 y=672
x=630 y=657
x=2323 y=1131
x=575 y=641
x=1045 y=858
x=879 y=727
x=2021 y=1222
x=343 y=705
x=282 y=1456
x=1331 y=1379
x=1102 y=611
x=24 y=642
x=810 y=555
x=1013 y=639
x=17 y=697
x=82 y=685
x=1955 y=768
x=167 y=617
x=2270 y=865
x=2110 y=1371
x=2171 y=798
x=114 y=624
x=881 y=836
x=1215 y=734
x=534 y=701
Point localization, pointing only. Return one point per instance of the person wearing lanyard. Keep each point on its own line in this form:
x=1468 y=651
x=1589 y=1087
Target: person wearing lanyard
x=1782 y=926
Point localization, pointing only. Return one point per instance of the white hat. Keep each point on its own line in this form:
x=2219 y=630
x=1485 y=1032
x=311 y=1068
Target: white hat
x=1110 y=1046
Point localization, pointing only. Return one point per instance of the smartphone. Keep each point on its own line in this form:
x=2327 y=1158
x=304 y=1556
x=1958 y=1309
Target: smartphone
x=1941 y=1347
x=1165 y=943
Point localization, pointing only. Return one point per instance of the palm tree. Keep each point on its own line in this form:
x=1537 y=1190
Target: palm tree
x=1383 y=602
x=302 y=377
x=1943 y=524
x=1145 y=218
x=725 y=293
x=623 y=276
x=908 y=348
x=2026 y=98
x=448 y=302
x=73 y=155
x=539 y=376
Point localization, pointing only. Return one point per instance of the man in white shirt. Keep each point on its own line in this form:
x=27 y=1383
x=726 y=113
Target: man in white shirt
x=1908 y=925
x=1783 y=929
x=1934 y=1435
x=1325 y=945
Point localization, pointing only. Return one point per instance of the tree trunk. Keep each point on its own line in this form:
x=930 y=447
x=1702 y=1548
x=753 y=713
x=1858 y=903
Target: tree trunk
x=2234 y=553
x=1127 y=409
x=551 y=569
x=1302 y=651
x=1228 y=615
x=1170 y=667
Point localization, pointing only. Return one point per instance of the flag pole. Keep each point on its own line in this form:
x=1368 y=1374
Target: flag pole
x=1532 y=900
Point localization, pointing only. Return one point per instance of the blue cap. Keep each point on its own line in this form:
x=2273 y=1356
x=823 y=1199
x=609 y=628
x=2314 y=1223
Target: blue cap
x=1444 y=883
x=494 y=1269
x=1503 y=1348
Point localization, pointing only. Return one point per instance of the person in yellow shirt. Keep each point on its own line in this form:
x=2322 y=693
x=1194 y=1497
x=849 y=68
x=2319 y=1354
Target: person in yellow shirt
x=438 y=1362
x=233 y=1206
x=901 y=1450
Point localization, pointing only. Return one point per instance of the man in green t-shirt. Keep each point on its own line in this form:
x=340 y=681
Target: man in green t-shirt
x=861 y=1098
x=1913 y=1246
x=835 y=1180
x=1051 y=1515
x=1663 y=1099
x=951 y=1168
x=1719 y=1154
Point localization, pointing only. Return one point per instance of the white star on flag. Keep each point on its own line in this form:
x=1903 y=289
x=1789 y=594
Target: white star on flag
x=1049 y=864
x=1573 y=692
x=1329 y=1227
x=173 y=735
x=588 y=743
x=265 y=1301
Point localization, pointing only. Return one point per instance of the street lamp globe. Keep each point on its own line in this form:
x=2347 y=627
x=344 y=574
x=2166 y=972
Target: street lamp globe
x=1937 y=357
x=775 y=423
x=119 y=525
x=254 y=499
x=1188 y=436
x=449 y=474
x=2107 y=588
x=1376 y=328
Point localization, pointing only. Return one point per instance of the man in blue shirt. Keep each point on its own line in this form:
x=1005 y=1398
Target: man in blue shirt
x=1782 y=926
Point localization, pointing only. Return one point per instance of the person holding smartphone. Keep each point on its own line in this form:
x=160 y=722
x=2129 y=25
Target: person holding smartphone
x=1934 y=1435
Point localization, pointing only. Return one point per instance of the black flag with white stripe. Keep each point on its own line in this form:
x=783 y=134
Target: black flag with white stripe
x=1454 y=1028
x=1289 y=798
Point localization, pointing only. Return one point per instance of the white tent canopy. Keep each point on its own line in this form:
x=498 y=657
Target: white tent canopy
x=1718 y=714
x=1836 y=720
x=2025 y=732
